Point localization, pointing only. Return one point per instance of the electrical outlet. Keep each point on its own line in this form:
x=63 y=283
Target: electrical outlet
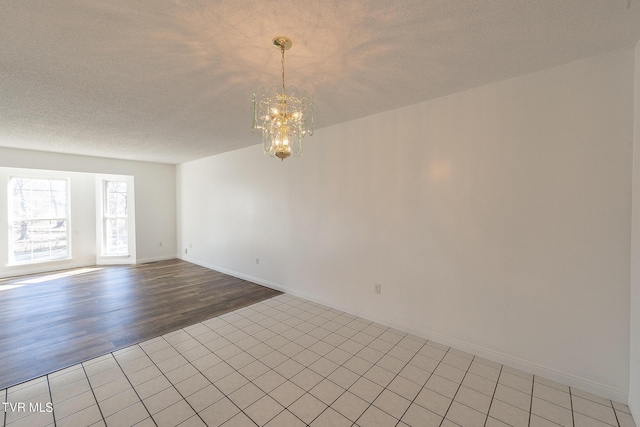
x=257 y=261
x=186 y=250
x=378 y=288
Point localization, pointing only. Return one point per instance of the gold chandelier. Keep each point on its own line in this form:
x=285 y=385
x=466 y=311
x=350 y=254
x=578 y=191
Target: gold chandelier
x=283 y=117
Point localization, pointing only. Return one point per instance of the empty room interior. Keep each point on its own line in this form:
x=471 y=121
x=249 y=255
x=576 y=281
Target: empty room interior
x=459 y=244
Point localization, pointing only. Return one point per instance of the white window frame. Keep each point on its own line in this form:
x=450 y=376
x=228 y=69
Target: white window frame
x=106 y=218
x=11 y=260
x=102 y=257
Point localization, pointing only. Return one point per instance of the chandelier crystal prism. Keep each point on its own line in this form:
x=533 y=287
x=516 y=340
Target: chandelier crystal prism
x=282 y=116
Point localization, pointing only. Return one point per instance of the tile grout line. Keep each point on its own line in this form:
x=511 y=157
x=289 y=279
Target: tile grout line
x=92 y=391
x=6 y=399
x=342 y=364
x=132 y=387
x=493 y=396
x=406 y=363
x=397 y=374
x=306 y=348
x=172 y=384
x=327 y=378
x=540 y=398
x=325 y=321
x=573 y=418
x=362 y=376
x=453 y=399
x=335 y=347
x=615 y=413
x=53 y=410
x=291 y=358
x=234 y=369
x=320 y=356
x=589 y=416
x=200 y=372
x=533 y=384
x=412 y=402
x=288 y=358
x=306 y=367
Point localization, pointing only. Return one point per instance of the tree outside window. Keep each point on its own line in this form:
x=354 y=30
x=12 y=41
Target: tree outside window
x=115 y=217
x=39 y=219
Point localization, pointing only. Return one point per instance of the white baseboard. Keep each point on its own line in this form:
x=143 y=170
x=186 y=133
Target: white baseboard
x=157 y=258
x=115 y=260
x=634 y=405
x=45 y=267
x=504 y=359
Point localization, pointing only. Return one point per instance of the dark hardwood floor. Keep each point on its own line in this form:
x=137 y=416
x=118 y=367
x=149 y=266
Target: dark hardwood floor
x=54 y=320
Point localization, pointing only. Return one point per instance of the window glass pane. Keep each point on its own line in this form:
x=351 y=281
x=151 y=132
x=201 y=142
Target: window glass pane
x=39 y=219
x=115 y=218
x=116 y=236
x=21 y=198
x=39 y=198
x=116 y=198
x=36 y=240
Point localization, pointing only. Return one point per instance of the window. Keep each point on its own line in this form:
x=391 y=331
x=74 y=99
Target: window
x=115 y=218
x=39 y=220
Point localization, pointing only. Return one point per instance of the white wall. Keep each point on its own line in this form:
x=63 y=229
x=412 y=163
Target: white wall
x=497 y=220
x=634 y=393
x=155 y=198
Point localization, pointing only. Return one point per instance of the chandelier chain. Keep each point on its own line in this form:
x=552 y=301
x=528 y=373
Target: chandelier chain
x=282 y=49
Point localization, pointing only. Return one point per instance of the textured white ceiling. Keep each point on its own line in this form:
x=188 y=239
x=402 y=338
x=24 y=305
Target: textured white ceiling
x=171 y=81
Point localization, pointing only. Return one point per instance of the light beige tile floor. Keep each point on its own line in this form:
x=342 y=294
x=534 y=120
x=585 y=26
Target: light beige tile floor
x=289 y=362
